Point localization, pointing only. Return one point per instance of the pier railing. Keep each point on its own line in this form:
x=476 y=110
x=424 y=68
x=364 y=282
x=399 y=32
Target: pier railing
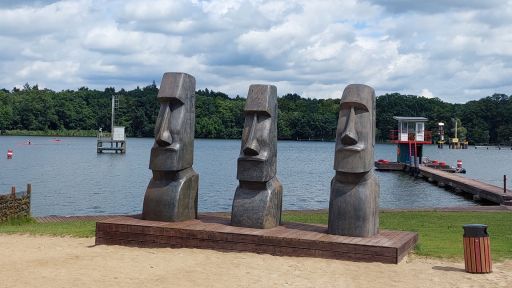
x=104 y=136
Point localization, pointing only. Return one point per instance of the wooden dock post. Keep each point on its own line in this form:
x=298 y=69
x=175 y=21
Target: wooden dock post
x=13 y=191
x=504 y=183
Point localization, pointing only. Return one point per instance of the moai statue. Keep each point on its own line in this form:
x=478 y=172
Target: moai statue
x=258 y=197
x=354 y=201
x=172 y=192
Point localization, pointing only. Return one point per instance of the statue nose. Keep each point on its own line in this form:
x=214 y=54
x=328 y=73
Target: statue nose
x=349 y=139
x=252 y=149
x=349 y=136
x=163 y=137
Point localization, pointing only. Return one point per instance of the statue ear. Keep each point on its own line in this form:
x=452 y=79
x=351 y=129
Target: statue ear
x=374 y=118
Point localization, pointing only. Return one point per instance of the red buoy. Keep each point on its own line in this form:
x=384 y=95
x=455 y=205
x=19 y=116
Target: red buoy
x=9 y=153
x=459 y=163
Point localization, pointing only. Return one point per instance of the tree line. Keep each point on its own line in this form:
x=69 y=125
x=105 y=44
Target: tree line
x=488 y=120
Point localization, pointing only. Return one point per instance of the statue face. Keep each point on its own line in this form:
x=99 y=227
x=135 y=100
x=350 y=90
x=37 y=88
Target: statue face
x=257 y=160
x=355 y=135
x=174 y=130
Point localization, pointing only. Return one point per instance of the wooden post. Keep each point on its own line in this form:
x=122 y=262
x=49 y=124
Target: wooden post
x=13 y=191
x=29 y=188
x=504 y=183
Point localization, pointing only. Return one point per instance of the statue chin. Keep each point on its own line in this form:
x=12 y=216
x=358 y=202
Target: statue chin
x=255 y=170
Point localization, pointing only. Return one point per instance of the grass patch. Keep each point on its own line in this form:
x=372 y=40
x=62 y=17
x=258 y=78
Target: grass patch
x=440 y=232
x=30 y=226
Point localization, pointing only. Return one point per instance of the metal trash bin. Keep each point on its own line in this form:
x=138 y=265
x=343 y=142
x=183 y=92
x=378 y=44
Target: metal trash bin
x=477 y=249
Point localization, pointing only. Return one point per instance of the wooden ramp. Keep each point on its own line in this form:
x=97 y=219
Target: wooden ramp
x=290 y=239
x=482 y=190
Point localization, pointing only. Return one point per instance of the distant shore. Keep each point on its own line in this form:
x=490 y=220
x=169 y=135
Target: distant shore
x=93 y=133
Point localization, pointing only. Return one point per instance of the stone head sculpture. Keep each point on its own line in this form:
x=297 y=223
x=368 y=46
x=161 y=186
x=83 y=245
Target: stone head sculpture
x=257 y=160
x=356 y=130
x=174 y=130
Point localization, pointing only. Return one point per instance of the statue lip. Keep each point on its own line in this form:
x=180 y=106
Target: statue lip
x=252 y=158
x=357 y=147
x=174 y=147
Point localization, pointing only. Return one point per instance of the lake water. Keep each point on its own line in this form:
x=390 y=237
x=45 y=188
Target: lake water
x=69 y=178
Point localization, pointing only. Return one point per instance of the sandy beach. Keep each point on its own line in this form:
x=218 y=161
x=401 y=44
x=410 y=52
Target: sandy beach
x=41 y=261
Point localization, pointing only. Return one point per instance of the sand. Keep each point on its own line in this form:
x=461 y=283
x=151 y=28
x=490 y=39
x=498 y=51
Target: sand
x=41 y=261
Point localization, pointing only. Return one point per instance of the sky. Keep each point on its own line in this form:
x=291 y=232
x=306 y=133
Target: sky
x=456 y=50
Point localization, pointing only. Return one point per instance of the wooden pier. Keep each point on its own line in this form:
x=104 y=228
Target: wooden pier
x=290 y=239
x=107 y=144
x=389 y=166
x=478 y=189
x=487 y=147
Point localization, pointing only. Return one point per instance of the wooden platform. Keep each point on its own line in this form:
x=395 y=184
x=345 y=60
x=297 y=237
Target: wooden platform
x=477 y=188
x=390 y=166
x=109 y=145
x=290 y=239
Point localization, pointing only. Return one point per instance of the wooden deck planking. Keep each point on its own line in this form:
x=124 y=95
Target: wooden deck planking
x=291 y=239
x=483 y=190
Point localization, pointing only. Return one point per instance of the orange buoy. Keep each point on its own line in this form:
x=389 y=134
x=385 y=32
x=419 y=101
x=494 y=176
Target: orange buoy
x=9 y=153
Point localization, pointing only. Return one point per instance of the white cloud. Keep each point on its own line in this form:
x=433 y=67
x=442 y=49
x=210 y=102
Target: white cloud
x=461 y=50
x=55 y=18
x=426 y=93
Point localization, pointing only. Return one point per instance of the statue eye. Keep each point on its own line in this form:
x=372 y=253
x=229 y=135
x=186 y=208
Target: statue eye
x=174 y=105
x=262 y=116
x=359 y=110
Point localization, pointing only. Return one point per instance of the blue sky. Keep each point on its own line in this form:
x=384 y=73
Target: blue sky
x=456 y=50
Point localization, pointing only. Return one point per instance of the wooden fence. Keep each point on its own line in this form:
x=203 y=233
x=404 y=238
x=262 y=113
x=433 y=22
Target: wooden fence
x=15 y=204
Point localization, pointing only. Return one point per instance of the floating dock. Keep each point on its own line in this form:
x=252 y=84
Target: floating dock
x=105 y=144
x=493 y=147
x=389 y=166
x=478 y=189
x=290 y=239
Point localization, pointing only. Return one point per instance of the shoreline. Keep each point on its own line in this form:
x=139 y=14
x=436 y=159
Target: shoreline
x=39 y=134
x=492 y=208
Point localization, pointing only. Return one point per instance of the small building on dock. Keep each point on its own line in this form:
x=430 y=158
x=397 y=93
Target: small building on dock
x=112 y=142
x=410 y=138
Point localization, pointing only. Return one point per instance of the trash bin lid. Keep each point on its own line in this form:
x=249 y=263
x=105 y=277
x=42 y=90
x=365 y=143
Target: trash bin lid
x=475 y=230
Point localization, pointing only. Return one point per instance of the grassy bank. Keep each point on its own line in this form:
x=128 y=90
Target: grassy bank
x=30 y=226
x=440 y=232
